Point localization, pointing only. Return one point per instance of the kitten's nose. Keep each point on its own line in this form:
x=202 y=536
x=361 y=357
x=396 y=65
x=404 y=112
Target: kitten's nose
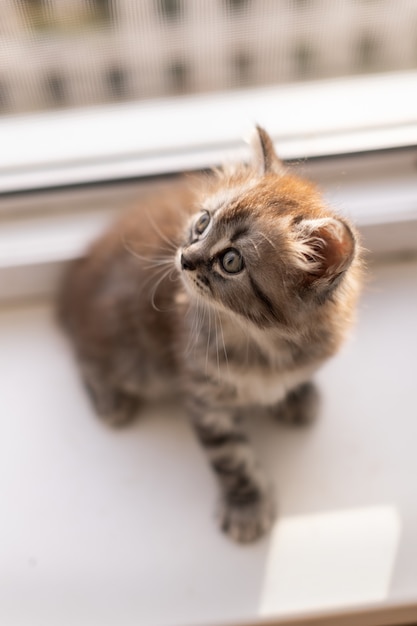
x=187 y=263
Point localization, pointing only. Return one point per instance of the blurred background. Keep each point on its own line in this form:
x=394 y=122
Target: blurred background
x=72 y=53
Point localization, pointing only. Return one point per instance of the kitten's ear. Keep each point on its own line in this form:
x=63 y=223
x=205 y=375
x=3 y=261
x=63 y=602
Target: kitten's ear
x=265 y=158
x=325 y=249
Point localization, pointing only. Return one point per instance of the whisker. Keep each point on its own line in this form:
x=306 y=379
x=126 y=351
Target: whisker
x=201 y=318
x=153 y=294
x=217 y=348
x=208 y=338
x=255 y=247
x=150 y=260
x=247 y=349
x=224 y=345
x=158 y=266
x=156 y=272
x=154 y=246
x=192 y=339
x=172 y=245
x=271 y=243
x=174 y=276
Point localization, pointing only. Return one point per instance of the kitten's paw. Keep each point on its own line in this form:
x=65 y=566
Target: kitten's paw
x=300 y=407
x=247 y=522
x=124 y=411
x=115 y=408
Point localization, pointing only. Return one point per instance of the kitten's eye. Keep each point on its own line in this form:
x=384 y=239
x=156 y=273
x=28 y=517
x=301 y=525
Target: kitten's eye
x=202 y=223
x=232 y=261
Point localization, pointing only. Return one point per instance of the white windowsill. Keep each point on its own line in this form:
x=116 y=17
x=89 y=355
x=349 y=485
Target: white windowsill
x=172 y=135
x=118 y=527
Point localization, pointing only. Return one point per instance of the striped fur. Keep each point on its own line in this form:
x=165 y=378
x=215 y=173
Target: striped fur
x=154 y=308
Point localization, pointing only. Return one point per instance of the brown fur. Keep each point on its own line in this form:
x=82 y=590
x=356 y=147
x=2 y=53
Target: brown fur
x=151 y=308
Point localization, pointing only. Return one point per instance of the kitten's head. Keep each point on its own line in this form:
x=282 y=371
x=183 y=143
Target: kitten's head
x=264 y=245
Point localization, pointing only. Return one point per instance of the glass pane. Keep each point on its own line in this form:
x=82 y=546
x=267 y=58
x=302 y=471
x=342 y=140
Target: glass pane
x=69 y=53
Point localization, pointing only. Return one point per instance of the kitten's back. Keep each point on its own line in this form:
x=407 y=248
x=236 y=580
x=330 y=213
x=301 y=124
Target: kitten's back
x=112 y=298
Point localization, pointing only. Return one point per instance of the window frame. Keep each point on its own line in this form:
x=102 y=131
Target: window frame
x=64 y=175
x=171 y=135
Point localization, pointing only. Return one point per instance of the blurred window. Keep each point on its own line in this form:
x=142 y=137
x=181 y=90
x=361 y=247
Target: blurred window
x=71 y=53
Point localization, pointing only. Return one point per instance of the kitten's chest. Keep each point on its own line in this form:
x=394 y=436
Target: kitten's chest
x=241 y=370
x=260 y=386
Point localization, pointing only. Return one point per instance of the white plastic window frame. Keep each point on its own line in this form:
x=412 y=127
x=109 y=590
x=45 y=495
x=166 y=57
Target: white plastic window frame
x=321 y=118
x=350 y=116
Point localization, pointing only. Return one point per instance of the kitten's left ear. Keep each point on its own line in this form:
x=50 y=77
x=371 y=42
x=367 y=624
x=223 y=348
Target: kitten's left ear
x=265 y=157
x=325 y=249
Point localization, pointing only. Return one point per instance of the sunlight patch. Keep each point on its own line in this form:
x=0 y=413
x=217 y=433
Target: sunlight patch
x=334 y=559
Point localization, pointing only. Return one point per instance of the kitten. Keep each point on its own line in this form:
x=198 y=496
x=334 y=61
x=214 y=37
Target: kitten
x=234 y=295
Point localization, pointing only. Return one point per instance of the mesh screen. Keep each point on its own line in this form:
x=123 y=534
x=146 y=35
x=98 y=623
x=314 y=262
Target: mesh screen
x=67 y=53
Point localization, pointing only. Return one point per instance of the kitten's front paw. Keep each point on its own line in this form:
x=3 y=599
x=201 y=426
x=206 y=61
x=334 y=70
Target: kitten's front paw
x=247 y=522
x=115 y=408
x=300 y=407
x=123 y=412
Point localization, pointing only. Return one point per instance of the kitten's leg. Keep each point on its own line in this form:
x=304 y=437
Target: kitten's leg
x=300 y=406
x=113 y=405
x=247 y=506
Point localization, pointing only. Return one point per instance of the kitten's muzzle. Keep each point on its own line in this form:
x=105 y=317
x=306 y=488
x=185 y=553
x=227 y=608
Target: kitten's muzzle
x=187 y=263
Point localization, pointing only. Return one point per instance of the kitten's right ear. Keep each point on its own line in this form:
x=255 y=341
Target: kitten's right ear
x=265 y=158
x=325 y=249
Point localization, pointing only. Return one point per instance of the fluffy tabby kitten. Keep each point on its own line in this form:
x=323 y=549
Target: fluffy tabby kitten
x=233 y=295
